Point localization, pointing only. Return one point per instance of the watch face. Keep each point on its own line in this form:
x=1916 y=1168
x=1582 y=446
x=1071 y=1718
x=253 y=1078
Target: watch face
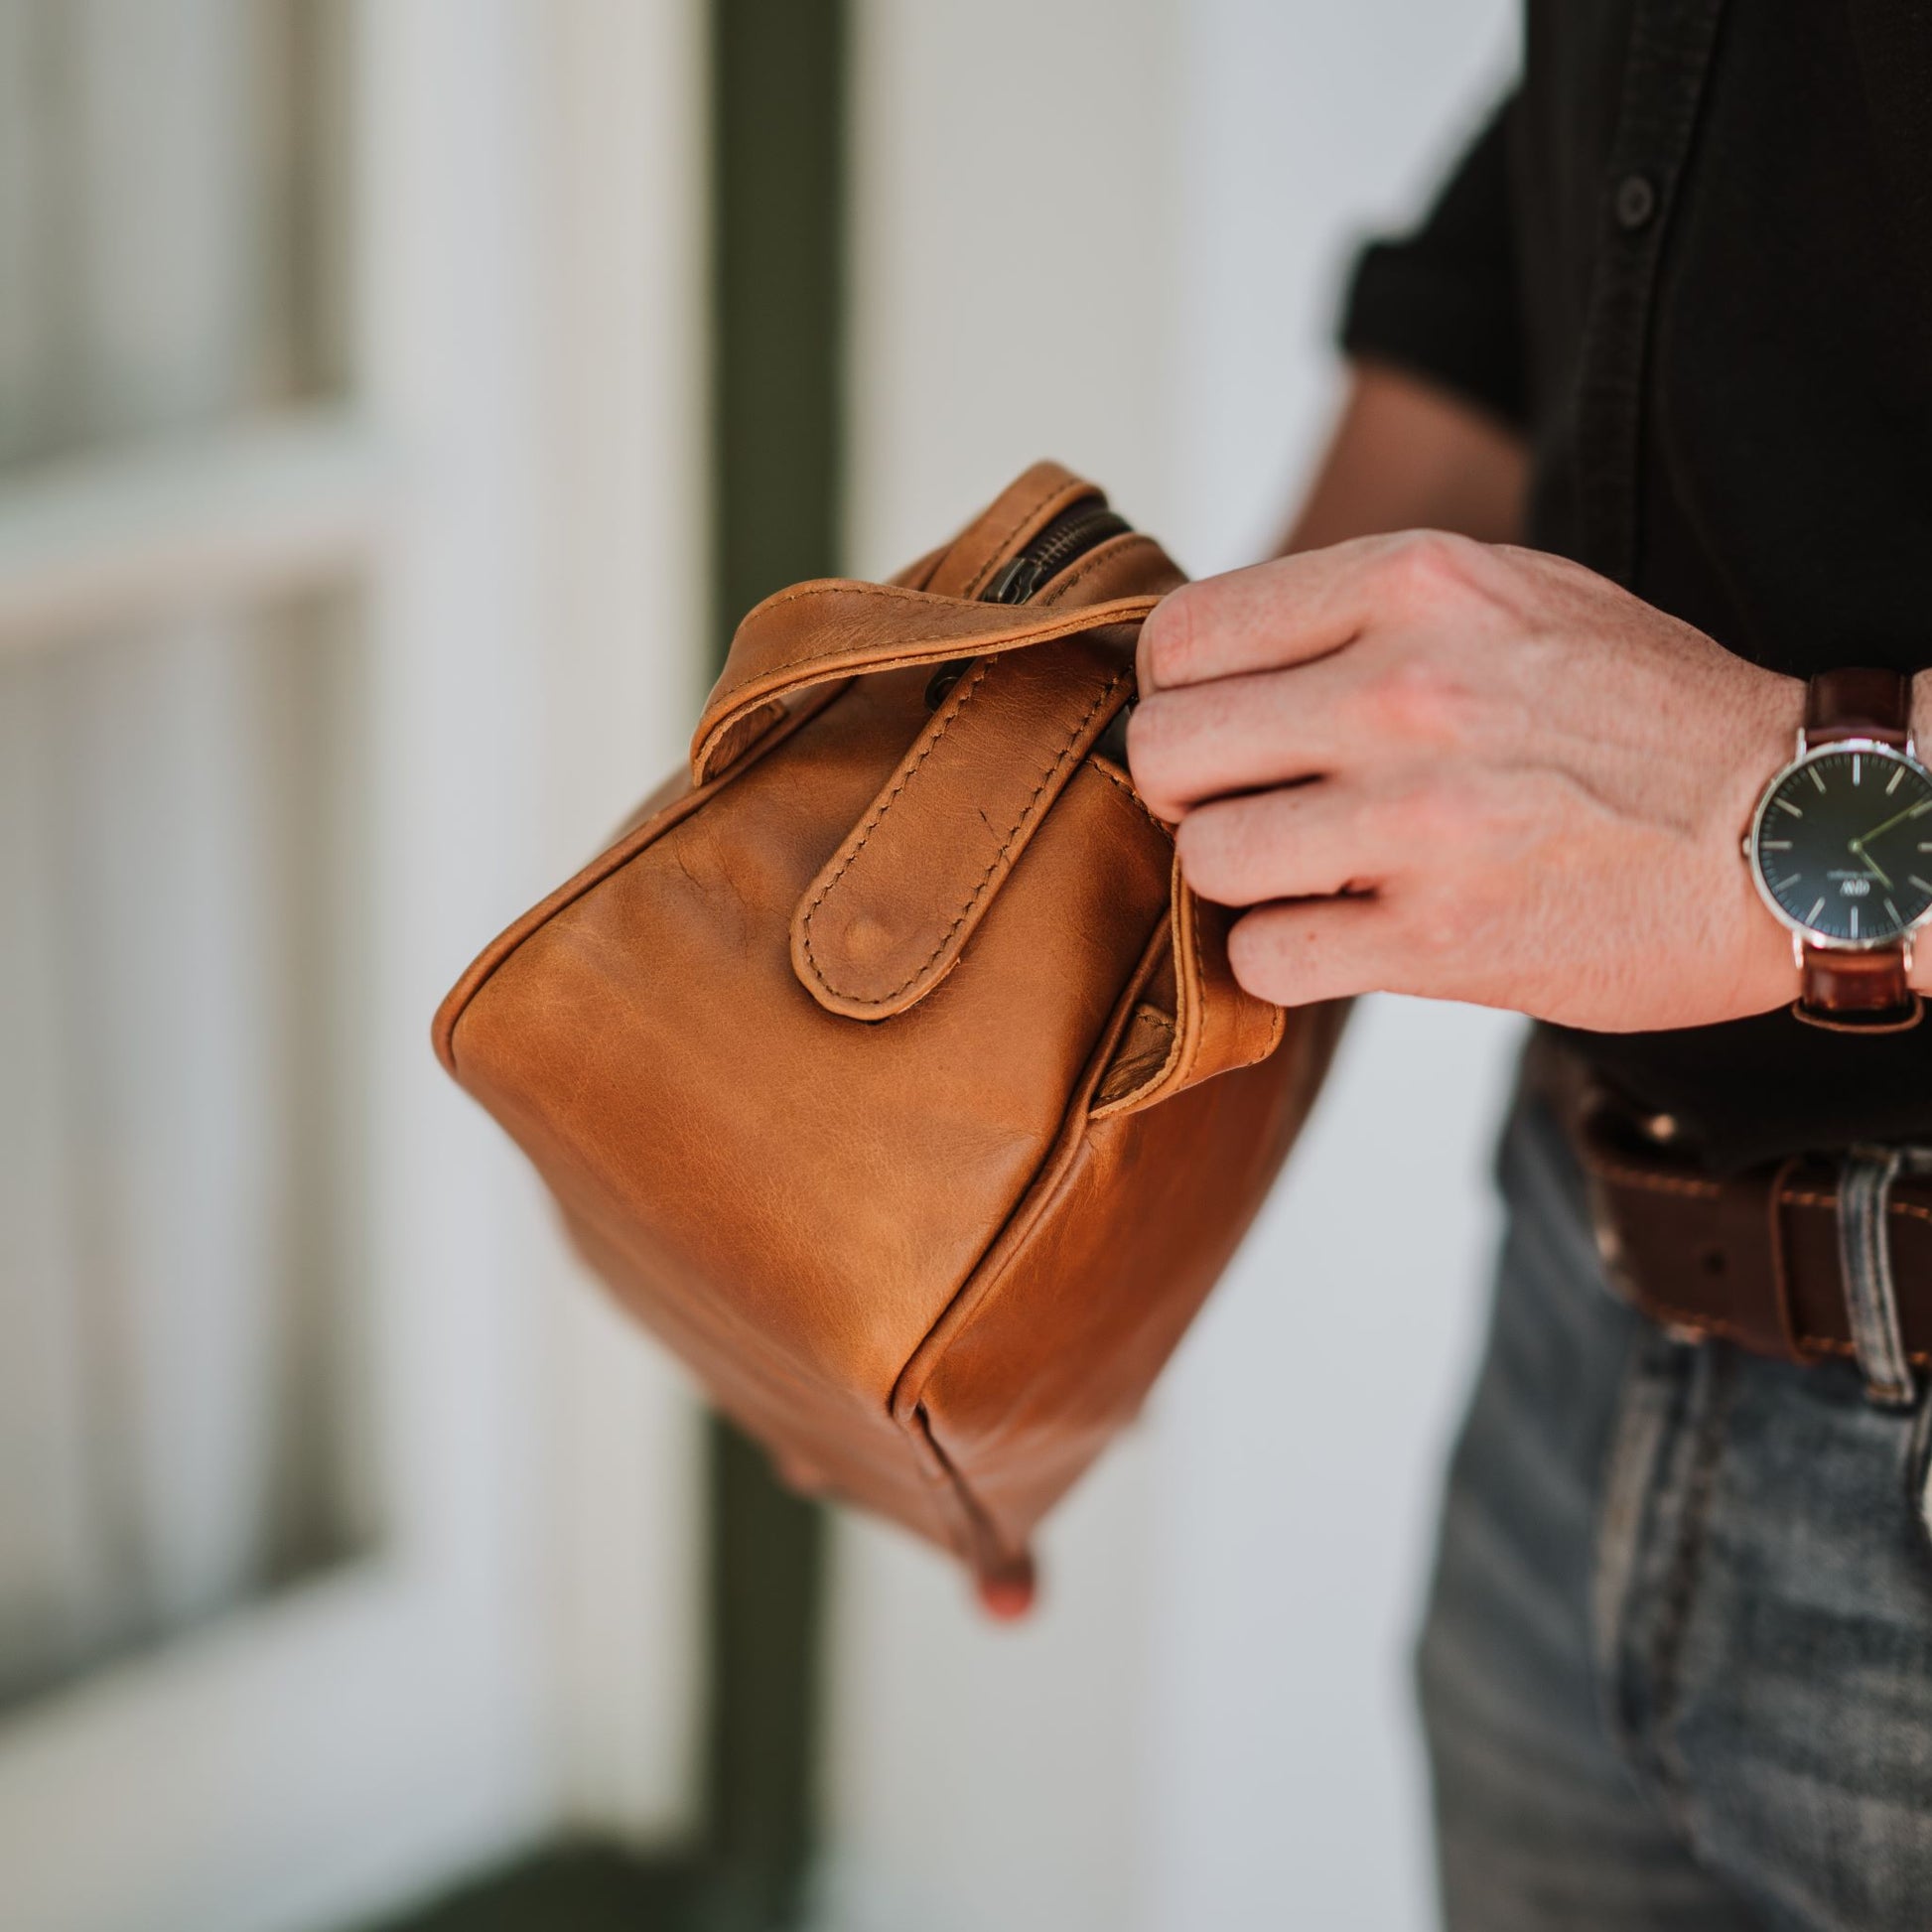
x=1842 y=844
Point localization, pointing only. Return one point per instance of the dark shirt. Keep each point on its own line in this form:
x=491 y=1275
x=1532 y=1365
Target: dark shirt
x=1691 y=257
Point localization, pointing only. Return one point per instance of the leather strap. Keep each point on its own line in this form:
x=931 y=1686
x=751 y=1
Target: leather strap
x=1754 y=1258
x=1013 y=520
x=1218 y=1025
x=891 y=910
x=836 y=628
x=1858 y=703
x=1858 y=992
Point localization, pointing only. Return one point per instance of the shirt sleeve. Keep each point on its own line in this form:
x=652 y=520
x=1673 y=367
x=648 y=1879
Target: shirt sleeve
x=1442 y=302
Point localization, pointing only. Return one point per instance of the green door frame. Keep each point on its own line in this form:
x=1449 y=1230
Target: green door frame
x=779 y=127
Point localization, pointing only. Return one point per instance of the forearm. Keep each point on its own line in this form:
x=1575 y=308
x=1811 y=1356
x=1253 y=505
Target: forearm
x=1404 y=455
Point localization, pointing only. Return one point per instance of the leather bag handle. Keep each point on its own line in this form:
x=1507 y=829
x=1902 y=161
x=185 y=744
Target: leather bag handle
x=1023 y=751
x=836 y=628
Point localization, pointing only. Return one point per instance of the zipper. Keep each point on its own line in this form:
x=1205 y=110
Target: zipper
x=1081 y=527
x=1076 y=530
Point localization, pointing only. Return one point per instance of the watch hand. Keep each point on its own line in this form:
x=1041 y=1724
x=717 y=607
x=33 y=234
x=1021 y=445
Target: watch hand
x=1897 y=818
x=1871 y=863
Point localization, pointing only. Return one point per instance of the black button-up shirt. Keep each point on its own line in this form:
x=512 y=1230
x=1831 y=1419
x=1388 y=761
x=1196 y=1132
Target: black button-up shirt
x=1691 y=257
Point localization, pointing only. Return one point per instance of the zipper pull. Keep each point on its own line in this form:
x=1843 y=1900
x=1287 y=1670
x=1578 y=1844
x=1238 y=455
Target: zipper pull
x=1014 y=583
x=940 y=686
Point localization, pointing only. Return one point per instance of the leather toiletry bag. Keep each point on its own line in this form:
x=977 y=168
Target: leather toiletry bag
x=884 y=1067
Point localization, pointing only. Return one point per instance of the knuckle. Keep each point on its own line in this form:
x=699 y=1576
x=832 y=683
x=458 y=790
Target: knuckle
x=1441 y=925
x=1151 y=749
x=1451 y=924
x=1210 y=852
x=1426 y=567
x=1165 y=647
x=1422 y=697
x=1441 y=812
x=1259 y=962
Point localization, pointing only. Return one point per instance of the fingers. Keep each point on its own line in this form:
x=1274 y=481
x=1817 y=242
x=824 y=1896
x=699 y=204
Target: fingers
x=1276 y=613
x=1316 y=949
x=1300 y=607
x=1306 y=841
x=1389 y=705
x=1203 y=741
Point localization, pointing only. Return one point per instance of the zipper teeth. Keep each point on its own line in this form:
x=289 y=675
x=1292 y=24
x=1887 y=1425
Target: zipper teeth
x=1072 y=532
x=1071 y=537
x=1078 y=529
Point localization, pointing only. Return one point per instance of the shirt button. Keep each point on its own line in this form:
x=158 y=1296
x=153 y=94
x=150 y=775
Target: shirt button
x=1635 y=202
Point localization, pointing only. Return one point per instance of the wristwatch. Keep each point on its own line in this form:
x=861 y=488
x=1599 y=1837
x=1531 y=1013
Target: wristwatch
x=1840 y=848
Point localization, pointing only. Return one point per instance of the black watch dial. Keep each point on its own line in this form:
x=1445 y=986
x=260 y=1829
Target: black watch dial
x=1844 y=845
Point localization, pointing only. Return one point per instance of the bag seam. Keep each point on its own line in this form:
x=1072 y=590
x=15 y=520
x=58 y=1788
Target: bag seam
x=610 y=862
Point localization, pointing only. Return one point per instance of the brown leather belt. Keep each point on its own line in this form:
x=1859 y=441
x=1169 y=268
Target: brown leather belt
x=1775 y=1259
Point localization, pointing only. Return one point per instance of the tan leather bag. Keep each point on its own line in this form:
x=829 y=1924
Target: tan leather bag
x=884 y=1067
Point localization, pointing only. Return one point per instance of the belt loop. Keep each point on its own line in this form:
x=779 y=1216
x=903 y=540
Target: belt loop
x=1865 y=1184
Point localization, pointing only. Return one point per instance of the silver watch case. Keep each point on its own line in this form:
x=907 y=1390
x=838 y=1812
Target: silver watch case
x=1803 y=935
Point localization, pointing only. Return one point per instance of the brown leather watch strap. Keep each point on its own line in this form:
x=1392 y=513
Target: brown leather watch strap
x=1858 y=703
x=1860 y=992
x=1845 y=991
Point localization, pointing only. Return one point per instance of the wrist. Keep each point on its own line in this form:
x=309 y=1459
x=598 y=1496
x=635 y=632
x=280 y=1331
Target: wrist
x=1769 y=975
x=1839 y=710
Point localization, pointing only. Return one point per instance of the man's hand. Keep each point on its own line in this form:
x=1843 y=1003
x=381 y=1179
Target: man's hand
x=1467 y=772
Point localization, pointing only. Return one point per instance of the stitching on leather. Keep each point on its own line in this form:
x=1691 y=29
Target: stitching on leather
x=1098 y=558
x=734 y=699
x=961 y=699
x=1019 y=523
x=1708 y=1189
x=1071 y=1145
x=1716 y=1325
x=1165 y=1027
x=950 y=647
x=1657 y=1308
x=612 y=859
x=985 y=878
x=1197 y=1032
x=1175 y=1065
x=1662 y=1184
x=1114 y=779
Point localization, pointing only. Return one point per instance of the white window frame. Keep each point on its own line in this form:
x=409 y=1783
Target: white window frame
x=513 y=488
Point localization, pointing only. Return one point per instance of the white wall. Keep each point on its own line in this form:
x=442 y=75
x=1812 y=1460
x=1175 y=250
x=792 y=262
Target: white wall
x=1016 y=188
x=1113 y=232
x=1298 y=1436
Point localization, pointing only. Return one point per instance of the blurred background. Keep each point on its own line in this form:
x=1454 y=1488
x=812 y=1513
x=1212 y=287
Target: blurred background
x=398 y=399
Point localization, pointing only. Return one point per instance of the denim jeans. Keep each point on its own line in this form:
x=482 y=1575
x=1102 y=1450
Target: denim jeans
x=1677 y=1669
